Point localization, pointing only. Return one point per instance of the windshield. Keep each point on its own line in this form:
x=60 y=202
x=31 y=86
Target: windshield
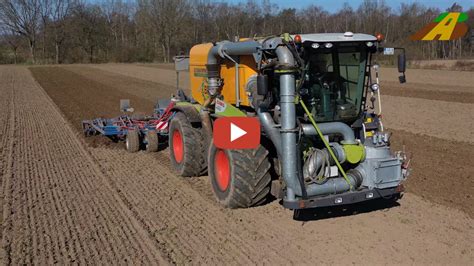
x=334 y=81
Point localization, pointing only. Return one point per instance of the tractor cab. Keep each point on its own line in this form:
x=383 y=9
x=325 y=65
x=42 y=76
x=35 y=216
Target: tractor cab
x=336 y=73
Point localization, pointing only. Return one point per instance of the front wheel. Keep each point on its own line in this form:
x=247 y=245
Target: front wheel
x=239 y=178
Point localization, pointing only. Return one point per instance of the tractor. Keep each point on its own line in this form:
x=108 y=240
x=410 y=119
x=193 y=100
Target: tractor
x=322 y=142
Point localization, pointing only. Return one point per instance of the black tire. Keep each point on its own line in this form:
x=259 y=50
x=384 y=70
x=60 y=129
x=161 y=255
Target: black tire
x=132 y=141
x=187 y=147
x=151 y=141
x=249 y=176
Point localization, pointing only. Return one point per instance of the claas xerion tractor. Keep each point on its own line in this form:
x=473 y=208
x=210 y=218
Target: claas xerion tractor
x=322 y=142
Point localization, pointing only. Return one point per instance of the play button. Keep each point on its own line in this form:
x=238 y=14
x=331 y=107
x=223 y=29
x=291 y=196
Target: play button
x=236 y=133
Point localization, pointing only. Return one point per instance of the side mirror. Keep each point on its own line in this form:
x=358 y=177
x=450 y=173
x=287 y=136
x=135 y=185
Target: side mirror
x=402 y=78
x=402 y=65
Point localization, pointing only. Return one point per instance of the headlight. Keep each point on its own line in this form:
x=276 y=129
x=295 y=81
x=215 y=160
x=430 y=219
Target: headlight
x=375 y=87
x=315 y=45
x=328 y=45
x=369 y=44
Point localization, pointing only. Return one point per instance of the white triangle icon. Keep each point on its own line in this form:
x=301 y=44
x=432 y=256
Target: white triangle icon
x=236 y=132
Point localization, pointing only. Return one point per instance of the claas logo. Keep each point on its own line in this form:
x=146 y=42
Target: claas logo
x=447 y=26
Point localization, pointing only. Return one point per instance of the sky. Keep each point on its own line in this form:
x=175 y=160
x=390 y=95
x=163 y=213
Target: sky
x=334 y=5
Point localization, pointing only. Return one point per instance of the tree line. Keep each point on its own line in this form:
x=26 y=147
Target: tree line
x=74 y=31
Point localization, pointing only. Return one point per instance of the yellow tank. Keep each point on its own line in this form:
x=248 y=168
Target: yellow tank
x=198 y=74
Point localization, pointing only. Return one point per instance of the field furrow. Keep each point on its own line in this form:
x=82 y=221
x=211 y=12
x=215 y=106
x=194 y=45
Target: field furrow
x=57 y=207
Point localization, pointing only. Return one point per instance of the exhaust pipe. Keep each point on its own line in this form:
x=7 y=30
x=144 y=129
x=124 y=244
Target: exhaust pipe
x=332 y=128
x=288 y=124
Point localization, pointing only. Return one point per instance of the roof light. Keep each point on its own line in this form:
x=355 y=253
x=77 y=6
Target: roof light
x=379 y=37
x=297 y=38
x=348 y=34
x=315 y=45
x=328 y=45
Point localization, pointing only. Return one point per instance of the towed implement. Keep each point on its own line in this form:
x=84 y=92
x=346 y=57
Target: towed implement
x=137 y=131
x=322 y=140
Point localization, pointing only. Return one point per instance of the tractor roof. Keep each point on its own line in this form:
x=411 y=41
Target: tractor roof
x=337 y=37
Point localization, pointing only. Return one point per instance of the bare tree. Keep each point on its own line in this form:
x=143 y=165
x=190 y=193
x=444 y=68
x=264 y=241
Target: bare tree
x=59 y=12
x=22 y=17
x=14 y=41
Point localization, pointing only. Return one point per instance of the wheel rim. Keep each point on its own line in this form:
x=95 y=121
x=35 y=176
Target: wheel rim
x=222 y=170
x=178 y=149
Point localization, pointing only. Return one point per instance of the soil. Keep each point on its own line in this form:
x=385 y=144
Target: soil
x=442 y=170
x=413 y=91
x=444 y=120
x=427 y=79
x=160 y=76
x=57 y=205
x=65 y=200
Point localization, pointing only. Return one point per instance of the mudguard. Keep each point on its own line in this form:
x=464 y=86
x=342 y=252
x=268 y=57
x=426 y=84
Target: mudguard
x=190 y=110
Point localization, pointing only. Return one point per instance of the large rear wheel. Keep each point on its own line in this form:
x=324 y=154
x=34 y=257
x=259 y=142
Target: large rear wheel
x=239 y=178
x=186 y=143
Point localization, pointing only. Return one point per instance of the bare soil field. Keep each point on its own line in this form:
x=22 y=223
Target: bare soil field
x=57 y=205
x=445 y=120
x=67 y=200
x=430 y=80
x=431 y=93
x=161 y=76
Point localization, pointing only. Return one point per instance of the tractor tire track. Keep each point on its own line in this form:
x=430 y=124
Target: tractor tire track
x=56 y=206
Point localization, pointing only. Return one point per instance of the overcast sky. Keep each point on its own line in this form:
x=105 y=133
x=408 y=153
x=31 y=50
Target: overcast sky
x=334 y=5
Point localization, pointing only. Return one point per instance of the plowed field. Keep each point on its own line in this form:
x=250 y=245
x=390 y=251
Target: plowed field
x=65 y=200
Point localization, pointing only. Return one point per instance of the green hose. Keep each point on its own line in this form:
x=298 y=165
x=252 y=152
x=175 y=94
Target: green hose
x=326 y=143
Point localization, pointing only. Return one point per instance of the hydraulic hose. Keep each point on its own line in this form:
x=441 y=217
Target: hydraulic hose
x=310 y=116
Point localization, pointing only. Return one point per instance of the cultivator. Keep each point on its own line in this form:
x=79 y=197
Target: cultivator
x=137 y=132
